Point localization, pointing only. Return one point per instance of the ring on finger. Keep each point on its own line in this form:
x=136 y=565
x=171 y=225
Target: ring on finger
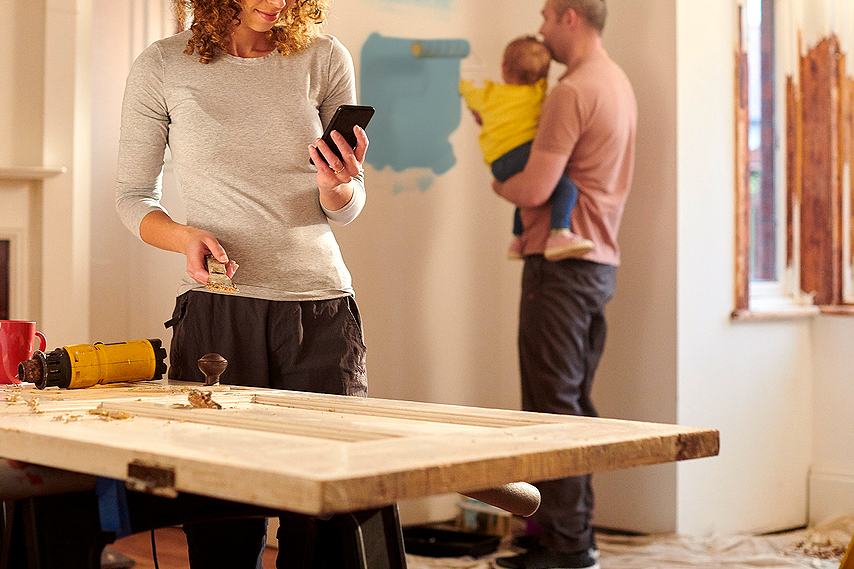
x=338 y=171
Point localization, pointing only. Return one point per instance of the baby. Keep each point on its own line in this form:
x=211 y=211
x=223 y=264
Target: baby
x=508 y=114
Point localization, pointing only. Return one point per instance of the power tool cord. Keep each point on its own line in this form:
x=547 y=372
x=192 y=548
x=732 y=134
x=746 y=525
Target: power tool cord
x=154 y=551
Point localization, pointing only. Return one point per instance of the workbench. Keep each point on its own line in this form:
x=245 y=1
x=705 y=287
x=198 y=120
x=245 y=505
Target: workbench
x=310 y=454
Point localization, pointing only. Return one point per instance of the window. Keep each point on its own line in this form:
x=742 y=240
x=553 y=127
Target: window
x=761 y=139
x=794 y=151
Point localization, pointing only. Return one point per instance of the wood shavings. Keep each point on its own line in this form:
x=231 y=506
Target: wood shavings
x=67 y=417
x=34 y=405
x=828 y=540
x=826 y=549
x=15 y=395
x=202 y=400
x=106 y=415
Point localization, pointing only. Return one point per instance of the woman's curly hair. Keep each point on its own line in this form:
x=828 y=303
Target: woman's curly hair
x=213 y=20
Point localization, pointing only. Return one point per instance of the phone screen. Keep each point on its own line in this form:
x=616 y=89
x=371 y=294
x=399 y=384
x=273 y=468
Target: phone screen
x=344 y=119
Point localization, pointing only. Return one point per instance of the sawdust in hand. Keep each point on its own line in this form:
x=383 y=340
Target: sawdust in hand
x=218 y=280
x=216 y=287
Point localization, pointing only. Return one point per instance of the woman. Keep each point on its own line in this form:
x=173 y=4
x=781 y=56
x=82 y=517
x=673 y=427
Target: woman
x=240 y=99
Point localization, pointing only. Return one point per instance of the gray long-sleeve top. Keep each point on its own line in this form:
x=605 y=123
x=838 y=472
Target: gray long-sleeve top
x=238 y=130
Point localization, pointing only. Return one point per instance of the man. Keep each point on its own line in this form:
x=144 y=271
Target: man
x=586 y=131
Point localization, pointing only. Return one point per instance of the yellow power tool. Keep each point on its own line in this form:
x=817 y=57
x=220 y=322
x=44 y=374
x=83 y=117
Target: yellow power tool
x=85 y=365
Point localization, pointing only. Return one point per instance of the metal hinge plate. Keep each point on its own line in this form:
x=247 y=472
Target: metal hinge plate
x=151 y=478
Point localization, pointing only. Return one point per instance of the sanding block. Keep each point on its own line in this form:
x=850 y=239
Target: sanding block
x=218 y=280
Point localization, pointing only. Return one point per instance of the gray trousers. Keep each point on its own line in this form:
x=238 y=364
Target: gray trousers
x=561 y=339
x=311 y=346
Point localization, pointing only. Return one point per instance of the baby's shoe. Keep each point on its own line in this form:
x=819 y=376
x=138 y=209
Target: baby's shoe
x=563 y=244
x=514 y=252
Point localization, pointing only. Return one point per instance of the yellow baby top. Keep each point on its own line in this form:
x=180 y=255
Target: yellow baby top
x=509 y=113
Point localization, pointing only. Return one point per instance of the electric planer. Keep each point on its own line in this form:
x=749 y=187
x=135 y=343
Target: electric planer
x=85 y=365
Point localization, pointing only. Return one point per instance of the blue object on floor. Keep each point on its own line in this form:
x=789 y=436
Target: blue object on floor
x=113 y=506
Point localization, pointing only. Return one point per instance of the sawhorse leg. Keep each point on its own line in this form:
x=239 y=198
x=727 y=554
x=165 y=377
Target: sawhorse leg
x=375 y=539
x=52 y=532
x=369 y=539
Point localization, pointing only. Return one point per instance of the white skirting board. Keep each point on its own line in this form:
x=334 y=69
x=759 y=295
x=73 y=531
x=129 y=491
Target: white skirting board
x=831 y=494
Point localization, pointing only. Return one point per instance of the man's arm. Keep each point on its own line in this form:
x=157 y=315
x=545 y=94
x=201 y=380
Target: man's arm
x=533 y=186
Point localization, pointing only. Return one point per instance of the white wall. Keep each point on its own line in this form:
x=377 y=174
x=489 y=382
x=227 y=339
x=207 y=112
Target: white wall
x=22 y=84
x=831 y=481
x=133 y=285
x=637 y=378
x=753 y=381
x=436 y=293
x=44 y=121
x=439 y=299
x=832 y=473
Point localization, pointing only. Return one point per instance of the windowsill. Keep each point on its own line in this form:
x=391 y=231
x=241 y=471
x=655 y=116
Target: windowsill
x=789 y=313
x=794 y=312
x=837 y=309
x=769 y=301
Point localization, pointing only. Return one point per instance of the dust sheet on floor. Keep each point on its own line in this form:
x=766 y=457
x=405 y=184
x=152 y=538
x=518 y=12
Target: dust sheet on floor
x=817 y=547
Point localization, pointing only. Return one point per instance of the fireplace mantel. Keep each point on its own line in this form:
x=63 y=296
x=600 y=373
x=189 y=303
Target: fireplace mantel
x=29 y=172
x=29 y=223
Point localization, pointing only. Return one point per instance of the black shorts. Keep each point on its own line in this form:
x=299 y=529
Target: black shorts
x=314 y=346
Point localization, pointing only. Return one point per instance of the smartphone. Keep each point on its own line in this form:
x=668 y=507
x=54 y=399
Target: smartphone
x=344 y=119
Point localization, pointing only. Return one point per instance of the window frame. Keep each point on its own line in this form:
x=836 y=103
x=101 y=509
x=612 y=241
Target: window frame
x=813 y=167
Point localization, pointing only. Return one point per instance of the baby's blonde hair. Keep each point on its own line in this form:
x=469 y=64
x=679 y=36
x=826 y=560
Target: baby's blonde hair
x=526 y=60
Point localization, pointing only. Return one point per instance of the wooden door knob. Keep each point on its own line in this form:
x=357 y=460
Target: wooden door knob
x=212 y=365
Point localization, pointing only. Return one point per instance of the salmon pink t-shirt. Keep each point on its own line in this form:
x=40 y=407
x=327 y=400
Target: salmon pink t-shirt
x=591 y=117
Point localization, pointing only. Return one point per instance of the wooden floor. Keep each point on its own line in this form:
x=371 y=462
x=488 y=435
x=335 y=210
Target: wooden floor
x=171 y=550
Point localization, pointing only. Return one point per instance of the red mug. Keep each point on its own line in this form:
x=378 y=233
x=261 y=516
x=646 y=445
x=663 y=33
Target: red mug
x=16 y=345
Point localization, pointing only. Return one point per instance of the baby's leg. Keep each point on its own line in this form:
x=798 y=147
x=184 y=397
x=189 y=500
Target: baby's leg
x=517 y=223
x=505 y=166
x=564 y=197
x=562 y=243
x=514 y=251
x=511 y=162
